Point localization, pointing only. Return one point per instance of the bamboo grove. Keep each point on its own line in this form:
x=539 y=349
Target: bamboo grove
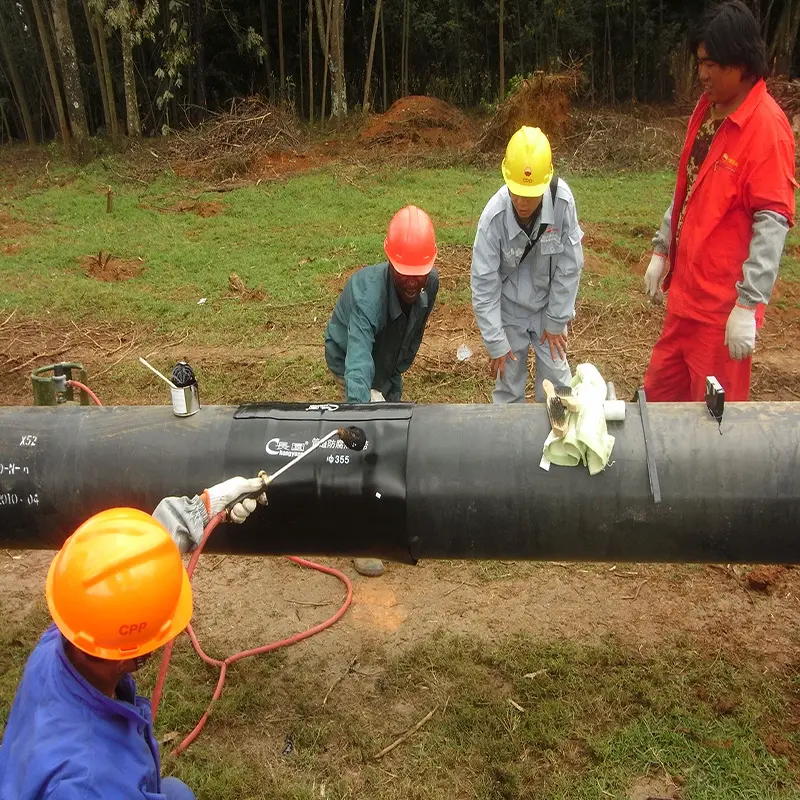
x=74 y=69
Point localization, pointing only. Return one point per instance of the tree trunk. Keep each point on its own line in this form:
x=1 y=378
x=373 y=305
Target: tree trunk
x=324 y=27
x=766 y=19
x=338 y=90
x=98 y=63
x=383 y=64
x=782 y=50
x=404 y=52
x=73 y=94
x=51 y=71
x=265 y=40
x=591 y=61
x=458 y=50
x=107 y=79
x=6 y=126
x=311 y=61
x=18 y=85
x=202 y=72
x=46 y=103
x=131 y=101
x=301 y=104
x=609 y=58
x=368 y=77
x=633 y=52
x=662 y=88
x=502 y=57
x=280 y=49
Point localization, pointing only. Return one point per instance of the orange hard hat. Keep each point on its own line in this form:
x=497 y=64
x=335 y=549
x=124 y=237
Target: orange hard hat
x=117 y=589
x=410 y=243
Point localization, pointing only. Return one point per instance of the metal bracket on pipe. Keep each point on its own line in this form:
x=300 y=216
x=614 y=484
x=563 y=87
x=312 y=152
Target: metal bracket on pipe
x=652 y=470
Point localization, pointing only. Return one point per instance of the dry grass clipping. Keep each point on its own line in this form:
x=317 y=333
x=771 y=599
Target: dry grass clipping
x=225 y=146
x=541 y=101
x=606 y=139
x=787 y=95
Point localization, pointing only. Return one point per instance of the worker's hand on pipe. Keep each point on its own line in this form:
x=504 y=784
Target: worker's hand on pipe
x=652 y=278
x=740 y=332
x=233 y=495
x=557 y=342
x=376 y=397
x=497 y=366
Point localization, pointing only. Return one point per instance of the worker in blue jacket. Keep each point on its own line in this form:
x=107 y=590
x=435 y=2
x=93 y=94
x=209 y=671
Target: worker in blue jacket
x=117 y=591
x=377 y=325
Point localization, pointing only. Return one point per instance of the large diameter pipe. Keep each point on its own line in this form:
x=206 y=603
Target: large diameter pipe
x=437 y=481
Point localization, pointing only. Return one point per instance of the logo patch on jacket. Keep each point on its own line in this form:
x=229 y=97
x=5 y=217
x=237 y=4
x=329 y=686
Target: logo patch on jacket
x=731 y=162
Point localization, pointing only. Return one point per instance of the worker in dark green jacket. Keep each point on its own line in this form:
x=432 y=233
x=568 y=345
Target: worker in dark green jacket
x=377 y=325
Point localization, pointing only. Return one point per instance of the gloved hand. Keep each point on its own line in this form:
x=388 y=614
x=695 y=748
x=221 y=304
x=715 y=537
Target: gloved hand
x=740 y=332
x=376 y=397
x=221 y=496
x=652 y=278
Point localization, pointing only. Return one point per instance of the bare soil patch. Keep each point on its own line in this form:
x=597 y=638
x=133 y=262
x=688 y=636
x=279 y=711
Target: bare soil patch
x=277 y=166
x=202 y=209
x=109 y=268
x=14 y=233
x=238 y=288
x=653 y=788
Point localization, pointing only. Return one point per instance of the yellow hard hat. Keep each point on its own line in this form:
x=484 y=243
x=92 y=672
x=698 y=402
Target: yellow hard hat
x=528 y=165
x=117 y=589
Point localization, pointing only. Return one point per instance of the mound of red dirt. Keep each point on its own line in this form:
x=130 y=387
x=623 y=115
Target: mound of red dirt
x=419 y=119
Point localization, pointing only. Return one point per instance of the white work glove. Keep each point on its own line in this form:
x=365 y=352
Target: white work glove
x=740 y=332
x=221 y=496
x=376 y=397
x=652 y=278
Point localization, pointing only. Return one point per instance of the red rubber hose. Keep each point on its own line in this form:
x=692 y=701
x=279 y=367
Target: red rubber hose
x=223 y=665
x=84 y=388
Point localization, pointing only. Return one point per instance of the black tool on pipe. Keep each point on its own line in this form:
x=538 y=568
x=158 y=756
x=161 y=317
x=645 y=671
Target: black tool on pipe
x=439 y=481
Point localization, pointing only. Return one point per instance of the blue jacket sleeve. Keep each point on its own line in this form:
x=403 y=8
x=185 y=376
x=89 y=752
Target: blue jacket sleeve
x=359 y=366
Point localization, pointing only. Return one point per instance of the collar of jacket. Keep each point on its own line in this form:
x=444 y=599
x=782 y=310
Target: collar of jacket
x=547 y=216
x=395 y=309
x=74 y=683
x=742 y=115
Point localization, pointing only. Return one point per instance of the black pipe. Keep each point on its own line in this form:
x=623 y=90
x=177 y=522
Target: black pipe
x=437 y=481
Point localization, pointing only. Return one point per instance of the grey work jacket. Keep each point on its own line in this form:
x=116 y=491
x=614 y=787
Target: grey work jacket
x=507 y=292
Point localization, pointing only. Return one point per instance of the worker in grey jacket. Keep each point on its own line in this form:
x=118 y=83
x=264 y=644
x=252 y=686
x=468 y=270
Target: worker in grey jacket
x=526 y=268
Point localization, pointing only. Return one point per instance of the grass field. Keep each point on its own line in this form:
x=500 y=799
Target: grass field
x=292 y=244
x=521 y=719
x=514 y=719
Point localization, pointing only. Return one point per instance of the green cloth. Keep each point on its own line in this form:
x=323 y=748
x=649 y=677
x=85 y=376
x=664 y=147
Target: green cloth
x=369 y=340
x=587 y=440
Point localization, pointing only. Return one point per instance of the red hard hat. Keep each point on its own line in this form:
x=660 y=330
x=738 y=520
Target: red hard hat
x=410 y=243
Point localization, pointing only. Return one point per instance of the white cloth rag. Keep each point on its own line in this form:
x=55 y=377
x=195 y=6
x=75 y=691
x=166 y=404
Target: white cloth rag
x=587 y=440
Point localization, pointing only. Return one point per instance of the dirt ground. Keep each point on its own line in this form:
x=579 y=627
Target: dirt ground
x=244 y=602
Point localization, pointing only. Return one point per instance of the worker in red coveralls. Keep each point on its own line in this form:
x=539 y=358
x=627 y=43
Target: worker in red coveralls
x=724 y=233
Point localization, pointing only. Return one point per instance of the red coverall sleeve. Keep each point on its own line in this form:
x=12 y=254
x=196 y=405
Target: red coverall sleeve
x=771 y=183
